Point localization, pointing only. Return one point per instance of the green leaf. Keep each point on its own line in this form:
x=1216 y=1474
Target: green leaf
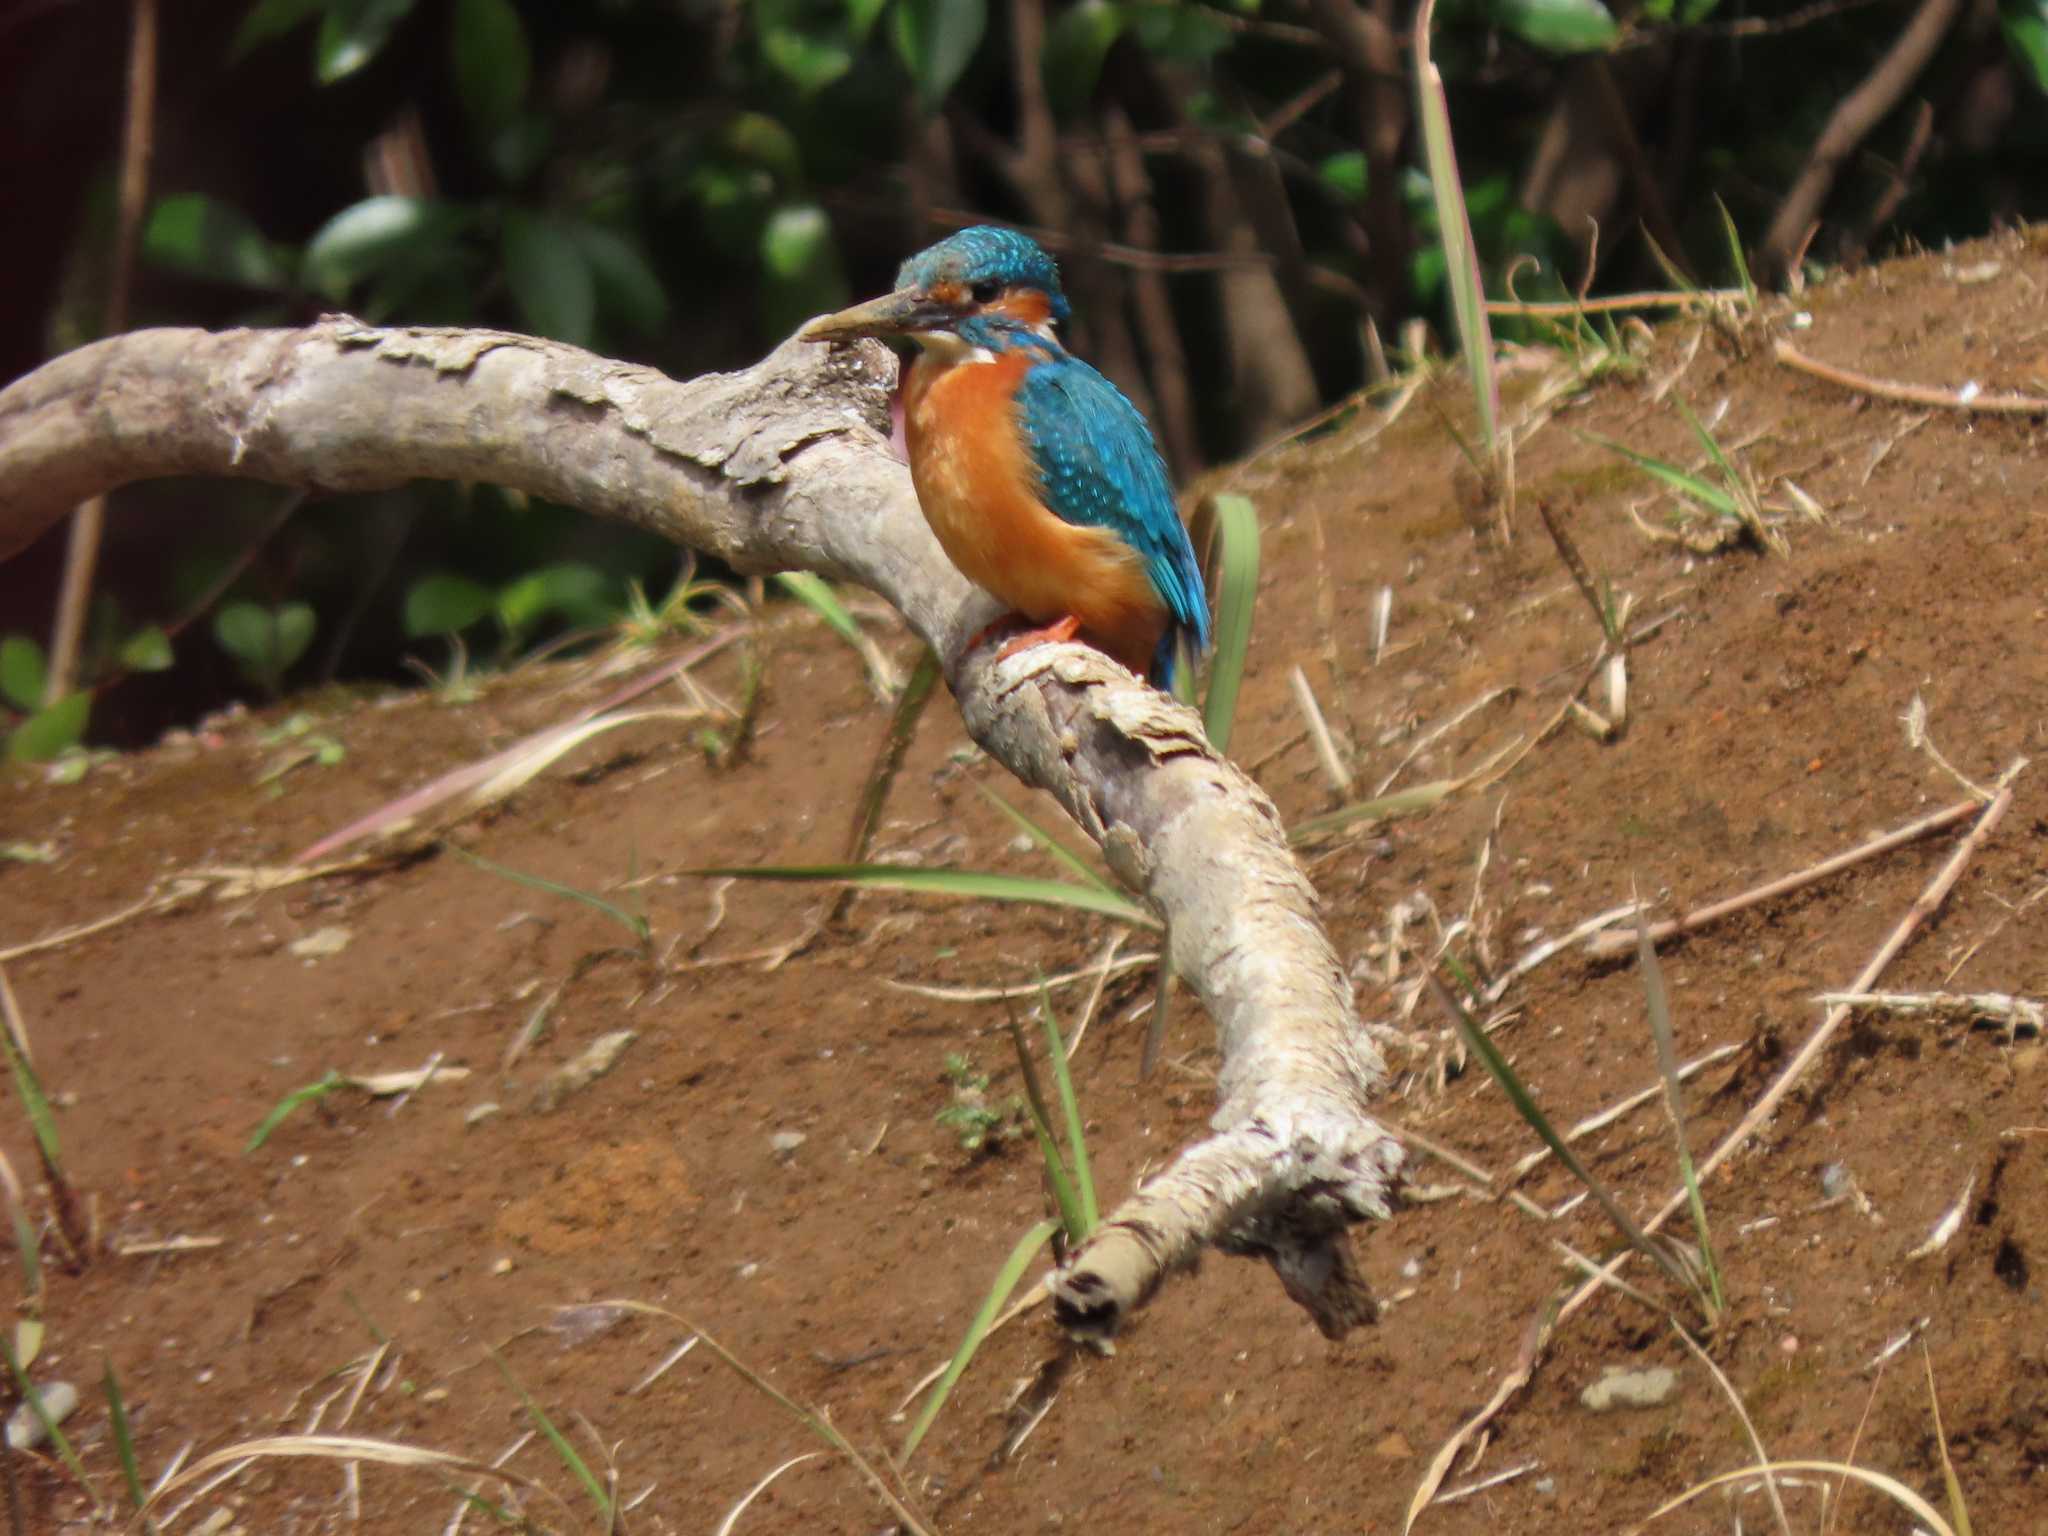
x=353 y=34
x=265 y=640
x=2025 y=25
x=576 y=592
x=1237 y=529
x=809 y=60
x=936 y=40
x=204 y=237
x=22 y=673
x=147 y=650
x=1558 y=26
x=1190 y=34
x=862 y=15
x=493 y=61
x=269 y=19
x=801 y=258
x=1075 y=46
x=443 y=603
x=550 y=277
x=367 y=237
x=628 y=288
x=1344 y=174
x=970 y=883
x=49 y=732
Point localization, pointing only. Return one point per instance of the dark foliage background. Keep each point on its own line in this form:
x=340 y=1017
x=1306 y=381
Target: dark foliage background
x=1233 y=189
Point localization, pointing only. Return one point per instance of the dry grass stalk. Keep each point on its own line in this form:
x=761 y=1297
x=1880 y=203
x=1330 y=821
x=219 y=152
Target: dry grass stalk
x=1969 y=397
x=1610 y=946
x=1756 y=1443
x=1331 y=760
x=2017 y=1014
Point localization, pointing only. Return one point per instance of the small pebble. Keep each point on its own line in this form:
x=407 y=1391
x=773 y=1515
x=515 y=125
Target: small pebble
x=1630 y=1389
x=1834 y=1180
x=25 y=1427
x=502 y=1267
x=785 y=1142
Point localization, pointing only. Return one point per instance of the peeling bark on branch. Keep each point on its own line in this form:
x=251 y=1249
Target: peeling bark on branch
x=785 y=465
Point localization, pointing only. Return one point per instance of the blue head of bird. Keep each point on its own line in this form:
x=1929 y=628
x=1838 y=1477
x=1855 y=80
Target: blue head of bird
x=985 y=288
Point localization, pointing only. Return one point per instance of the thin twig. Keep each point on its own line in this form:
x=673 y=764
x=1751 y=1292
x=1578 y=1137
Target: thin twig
x=137 y=143
x=1567 y=309
x=1968 y=398
x=1608 y=946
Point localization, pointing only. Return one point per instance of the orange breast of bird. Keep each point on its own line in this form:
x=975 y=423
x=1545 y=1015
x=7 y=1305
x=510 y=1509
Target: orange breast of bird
x=980 y=492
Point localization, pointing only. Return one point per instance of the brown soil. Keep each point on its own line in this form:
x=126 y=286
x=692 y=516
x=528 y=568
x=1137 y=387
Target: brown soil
x=1764 y=735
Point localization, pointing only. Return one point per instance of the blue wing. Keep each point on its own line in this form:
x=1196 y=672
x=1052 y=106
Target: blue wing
x=1101 y=469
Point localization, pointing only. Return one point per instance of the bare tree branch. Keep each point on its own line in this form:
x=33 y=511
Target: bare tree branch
x=786 y=465
x=1853 y=118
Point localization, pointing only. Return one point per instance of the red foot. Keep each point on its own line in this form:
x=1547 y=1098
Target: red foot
x=1060 y=629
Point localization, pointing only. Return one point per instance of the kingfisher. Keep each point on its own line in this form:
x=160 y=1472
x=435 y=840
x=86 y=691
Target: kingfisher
x=1042 y=482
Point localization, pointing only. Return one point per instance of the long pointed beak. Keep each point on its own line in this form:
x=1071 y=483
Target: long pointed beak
x=894 y=314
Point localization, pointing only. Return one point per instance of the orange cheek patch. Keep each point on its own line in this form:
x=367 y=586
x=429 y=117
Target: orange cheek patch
x=1027 y=306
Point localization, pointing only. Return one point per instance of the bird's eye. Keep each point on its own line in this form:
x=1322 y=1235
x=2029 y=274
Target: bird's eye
x=986 y=290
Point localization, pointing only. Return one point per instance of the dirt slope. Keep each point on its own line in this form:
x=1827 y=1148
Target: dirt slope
x=1764 y=734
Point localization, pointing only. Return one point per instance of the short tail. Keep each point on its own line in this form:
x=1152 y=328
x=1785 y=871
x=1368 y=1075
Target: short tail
x=1180 y=645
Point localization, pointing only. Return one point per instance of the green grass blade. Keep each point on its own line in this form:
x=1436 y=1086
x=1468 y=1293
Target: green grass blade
x=1237 y=591
x=1658 y=1004
x=289 y=1103
x=811 y=590
x=633 y=924
x=1049 y=844
x=1711 y=496
x=1706 y=438
x=1958 y=1509
x=563 y=1449
x=124 y=1444
x=973 y=884
x=1073 y=1215
x=1672 y=274
x=41 y=1118
x=26 y=1243
x=910 y=703
x=1070 y=1107
x=977 y=1330
x=55 y=1435
x=1454 y=225
x=1742 y=275
x=1510 y=1084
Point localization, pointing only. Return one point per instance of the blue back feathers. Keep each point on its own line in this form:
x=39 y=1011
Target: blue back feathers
x=1094 y=452
x=1101 y=469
